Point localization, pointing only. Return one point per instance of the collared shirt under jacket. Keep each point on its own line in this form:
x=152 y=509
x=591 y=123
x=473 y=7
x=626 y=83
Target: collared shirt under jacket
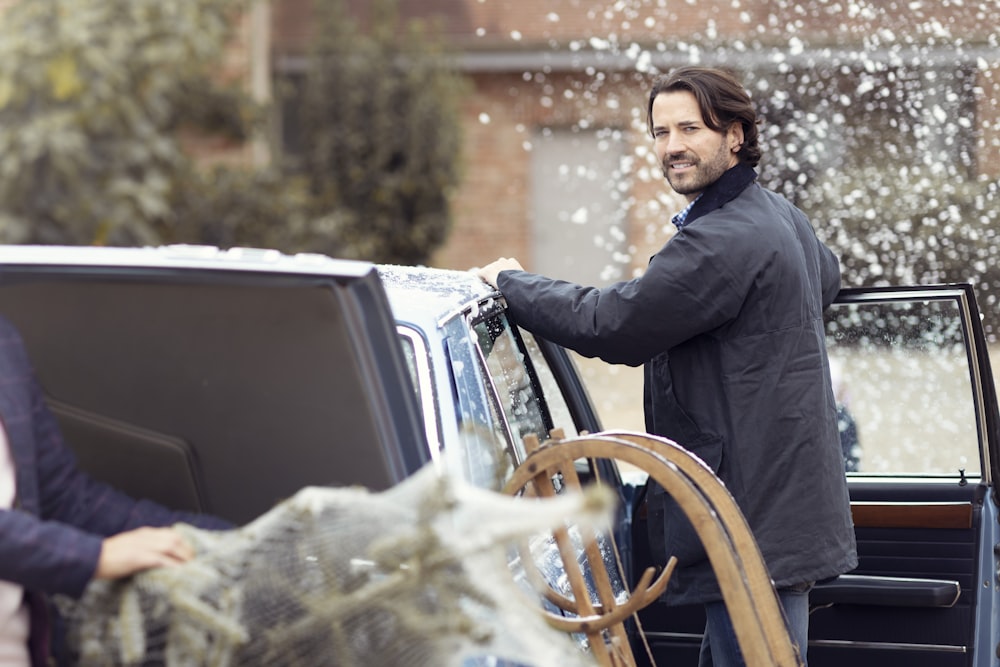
x=728 y=321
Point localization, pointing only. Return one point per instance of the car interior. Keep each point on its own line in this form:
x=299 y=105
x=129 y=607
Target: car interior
x=219 y=393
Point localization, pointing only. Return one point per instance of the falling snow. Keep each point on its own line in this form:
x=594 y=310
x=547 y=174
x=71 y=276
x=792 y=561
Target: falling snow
x=879 y=120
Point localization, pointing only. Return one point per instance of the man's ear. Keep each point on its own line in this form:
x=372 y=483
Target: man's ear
x=734 y=137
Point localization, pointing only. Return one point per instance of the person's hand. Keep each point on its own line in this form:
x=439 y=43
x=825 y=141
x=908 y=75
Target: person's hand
x=490 y=272
x=141 y=549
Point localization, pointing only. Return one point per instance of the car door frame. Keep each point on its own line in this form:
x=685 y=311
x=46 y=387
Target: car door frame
x=910 y=493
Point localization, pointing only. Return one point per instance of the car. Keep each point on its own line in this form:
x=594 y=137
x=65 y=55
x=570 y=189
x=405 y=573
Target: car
x=226 y=381
x=223 y=381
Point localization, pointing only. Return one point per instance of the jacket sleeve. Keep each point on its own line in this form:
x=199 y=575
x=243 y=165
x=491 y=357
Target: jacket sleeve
x=822 y=266
x=830 y=274
x=46 y=556
x=691 y=286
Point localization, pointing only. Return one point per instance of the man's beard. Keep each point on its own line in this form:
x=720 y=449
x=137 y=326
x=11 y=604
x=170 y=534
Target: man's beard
x=703 y=175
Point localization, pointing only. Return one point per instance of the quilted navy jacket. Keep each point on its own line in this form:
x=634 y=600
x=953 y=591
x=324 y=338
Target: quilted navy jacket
x=727 y=320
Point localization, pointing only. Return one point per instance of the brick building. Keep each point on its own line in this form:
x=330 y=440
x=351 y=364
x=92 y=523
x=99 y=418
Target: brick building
x=557 y=170
x=557 y=167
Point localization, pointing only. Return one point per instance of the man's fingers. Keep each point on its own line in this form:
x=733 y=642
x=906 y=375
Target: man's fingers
x=491 y=271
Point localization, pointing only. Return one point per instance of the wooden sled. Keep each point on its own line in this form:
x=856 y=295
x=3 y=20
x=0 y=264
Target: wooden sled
x=746 y=586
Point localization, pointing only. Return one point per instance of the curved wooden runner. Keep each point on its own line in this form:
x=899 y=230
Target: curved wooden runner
x=739 y=567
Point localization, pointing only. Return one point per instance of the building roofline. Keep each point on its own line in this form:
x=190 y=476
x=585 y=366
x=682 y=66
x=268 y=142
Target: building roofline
x=653 y=61
x=567 y=60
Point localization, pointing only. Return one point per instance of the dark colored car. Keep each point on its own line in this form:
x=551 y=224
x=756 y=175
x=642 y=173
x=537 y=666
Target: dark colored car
x=224 y=381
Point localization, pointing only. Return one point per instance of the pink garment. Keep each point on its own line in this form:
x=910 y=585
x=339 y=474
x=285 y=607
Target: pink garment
x=14 y=624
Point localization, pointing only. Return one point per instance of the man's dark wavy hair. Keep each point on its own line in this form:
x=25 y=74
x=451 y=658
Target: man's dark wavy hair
x=722 y=100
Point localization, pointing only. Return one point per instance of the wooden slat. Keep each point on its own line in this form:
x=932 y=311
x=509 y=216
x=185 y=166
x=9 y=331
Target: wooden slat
x=911 y=515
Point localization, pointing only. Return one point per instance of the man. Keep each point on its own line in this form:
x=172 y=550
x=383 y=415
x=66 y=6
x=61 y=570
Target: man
x=727 y=320
x=59 y=528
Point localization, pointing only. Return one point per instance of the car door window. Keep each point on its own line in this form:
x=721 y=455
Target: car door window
x=484 y=457
x=511 y=374
x=504 y=390
x=901 y=375
x=549 y=386
x=498 y=398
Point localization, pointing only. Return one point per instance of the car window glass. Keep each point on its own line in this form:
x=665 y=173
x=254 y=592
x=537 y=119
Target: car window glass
x=410 y=355
x=519 y=399
x=482 y=457
x=554 y=400
x=902 y=380
x=502 y=398
x=418 y=368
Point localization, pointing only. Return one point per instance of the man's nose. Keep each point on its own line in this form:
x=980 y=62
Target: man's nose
x=675 y=144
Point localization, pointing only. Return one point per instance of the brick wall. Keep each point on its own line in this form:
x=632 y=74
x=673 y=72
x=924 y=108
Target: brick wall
x=519 y=24
x=988 y=123
x=492 y=209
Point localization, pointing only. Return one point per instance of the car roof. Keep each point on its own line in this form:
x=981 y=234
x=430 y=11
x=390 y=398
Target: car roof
x=420 y=295
x=427 y=296
x=183 y=256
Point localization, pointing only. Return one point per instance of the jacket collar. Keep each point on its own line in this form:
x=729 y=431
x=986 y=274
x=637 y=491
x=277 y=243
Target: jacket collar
x=723 y=191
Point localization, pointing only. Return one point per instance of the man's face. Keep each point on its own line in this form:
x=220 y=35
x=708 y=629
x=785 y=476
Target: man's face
x=692 y=155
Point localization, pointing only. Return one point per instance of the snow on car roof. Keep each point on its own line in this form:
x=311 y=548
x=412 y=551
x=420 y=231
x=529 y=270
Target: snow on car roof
x=419 y=293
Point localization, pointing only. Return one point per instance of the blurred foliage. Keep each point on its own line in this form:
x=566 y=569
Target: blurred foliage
x=93 y=94
x=884 y=159
x=381 y=133
x=97 y=95
x=226 y=207
x=907 y=226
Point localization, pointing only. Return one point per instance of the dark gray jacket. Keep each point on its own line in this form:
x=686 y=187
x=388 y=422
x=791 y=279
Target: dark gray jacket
x=728 y=322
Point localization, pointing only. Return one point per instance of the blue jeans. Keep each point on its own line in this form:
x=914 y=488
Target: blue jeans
x=719 y=647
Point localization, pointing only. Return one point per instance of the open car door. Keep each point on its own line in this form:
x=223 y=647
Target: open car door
x=919 y=429
x=918 y=419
